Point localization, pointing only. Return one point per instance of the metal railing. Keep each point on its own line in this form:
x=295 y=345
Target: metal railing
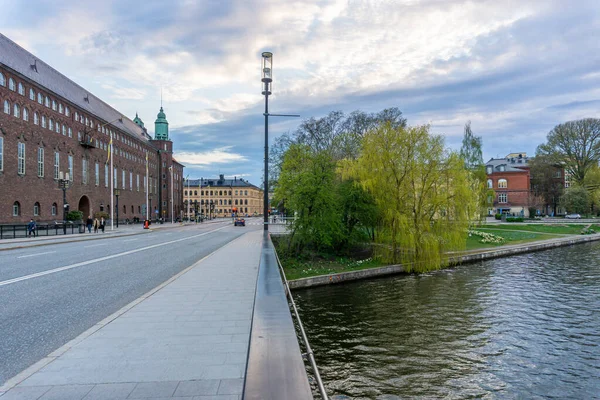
x=309 y=352
x=50 y=229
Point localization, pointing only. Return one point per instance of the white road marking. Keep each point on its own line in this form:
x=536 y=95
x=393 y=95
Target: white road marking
x=37 y=254
x=81 y=264
x=94 y=245
x=130 y=240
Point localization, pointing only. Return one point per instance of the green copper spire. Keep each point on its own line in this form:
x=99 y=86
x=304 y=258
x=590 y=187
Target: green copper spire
x=161 y=126
x=138 y=121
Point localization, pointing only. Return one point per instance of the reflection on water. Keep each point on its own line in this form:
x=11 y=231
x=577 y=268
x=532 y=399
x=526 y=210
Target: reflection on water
x=521 y=327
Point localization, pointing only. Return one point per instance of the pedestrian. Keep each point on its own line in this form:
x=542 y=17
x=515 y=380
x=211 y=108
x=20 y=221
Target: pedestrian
x=89 y=223
x=102 y=223
x=96 y=225
x=31 y=228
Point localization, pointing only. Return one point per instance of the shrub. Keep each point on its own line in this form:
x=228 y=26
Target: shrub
x=101 y=214
x=487 y=237
x=587 y=231
x=514 y=219
x=498 y=216
x=74 y=215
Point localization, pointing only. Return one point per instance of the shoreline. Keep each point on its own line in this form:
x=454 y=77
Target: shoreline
x=473 y=256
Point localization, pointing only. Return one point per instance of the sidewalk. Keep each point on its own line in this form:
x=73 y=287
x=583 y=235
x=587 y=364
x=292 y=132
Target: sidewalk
x=188 y=338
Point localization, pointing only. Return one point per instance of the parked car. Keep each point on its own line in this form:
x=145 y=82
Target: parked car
x=239 y=222
x=573 y=216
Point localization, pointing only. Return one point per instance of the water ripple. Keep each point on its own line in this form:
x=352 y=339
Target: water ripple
x=520 y=327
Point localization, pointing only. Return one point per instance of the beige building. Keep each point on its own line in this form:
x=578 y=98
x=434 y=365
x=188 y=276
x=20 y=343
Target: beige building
x=220 y=197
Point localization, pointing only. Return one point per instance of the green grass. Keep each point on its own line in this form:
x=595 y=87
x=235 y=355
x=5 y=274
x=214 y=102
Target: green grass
x=569 y=229
x=296 y=269
x=473 y=242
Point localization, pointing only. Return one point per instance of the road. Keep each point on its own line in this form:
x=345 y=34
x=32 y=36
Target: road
x=51 y=294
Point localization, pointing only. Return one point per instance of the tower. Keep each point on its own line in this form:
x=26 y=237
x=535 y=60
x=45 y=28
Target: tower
x=161 y=126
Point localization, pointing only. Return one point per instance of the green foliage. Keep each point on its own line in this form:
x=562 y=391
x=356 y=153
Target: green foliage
x=422 y=192
x=546 y=184
x=74 y=215
x=587 y=231
x=574 y=144
x=498 y=216
x=472 y=155
x=101 y=214
x=514 y=219
x=576 y=200
x=471 y=151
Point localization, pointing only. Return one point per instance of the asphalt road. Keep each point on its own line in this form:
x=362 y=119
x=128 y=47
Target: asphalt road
x=51 y=294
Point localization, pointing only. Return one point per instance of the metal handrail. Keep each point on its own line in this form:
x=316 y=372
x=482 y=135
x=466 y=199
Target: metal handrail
x=309 y=351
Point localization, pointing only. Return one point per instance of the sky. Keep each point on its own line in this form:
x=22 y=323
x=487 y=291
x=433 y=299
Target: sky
x=515 y=69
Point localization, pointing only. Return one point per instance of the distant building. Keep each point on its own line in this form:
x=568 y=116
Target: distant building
x=49 y=124
x=219 y=197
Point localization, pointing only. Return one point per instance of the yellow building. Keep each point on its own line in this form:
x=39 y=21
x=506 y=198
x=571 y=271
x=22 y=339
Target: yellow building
x=220 y=197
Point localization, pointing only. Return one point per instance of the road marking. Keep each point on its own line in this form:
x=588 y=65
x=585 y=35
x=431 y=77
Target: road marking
x=94 y=245
x=37 y=254
x=81 y=264
x=130 y=240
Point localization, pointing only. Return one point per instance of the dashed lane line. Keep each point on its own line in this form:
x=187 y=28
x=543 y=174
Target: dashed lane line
x=96 y=260
x=37 y=254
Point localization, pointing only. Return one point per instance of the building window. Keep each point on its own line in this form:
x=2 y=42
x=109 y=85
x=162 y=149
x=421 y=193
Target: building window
x=31 y=95
x=115 y=178
x=56 y=164
x=164 y=203
x=54 y=207
x=502 y=198
x=17 y=111
x=2 y=79
x=25 y=114
x=76 y=116
x=71 y=168
x=131 y=181
x=41 y=162
x=54 y=105
x=84 y=170
x=137 y=182
x=67 y=111
x=79 y=136
x=97 y=174
x=51 y=124
x=43 y=121
x=502 y=184
x=21 y=158
x=40 y=98
x=64 y=130
x=36 y=209
x=16 y=209
x=245 y=193
x=60 y=108
x=556 y=174
x=11 y=84
x=21 y=89
x=47 y=101
x=105 y=175
x=70 y=131
x=36 y=118
x=123 y=179
x=57 y=127
x=1 y=153
x=6 y=107
x=490 y=184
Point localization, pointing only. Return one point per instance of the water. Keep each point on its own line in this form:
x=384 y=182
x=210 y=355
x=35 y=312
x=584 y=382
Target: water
x=524 y=327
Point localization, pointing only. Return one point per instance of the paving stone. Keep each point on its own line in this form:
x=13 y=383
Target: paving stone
x=153 y=389
x=67 y=392
x=110 y=391
x=231 y=386
x=26 y=393
x=195 y=388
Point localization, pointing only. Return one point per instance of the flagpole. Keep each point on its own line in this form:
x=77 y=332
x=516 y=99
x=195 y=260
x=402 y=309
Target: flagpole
x=112 y=183
x=147 y=189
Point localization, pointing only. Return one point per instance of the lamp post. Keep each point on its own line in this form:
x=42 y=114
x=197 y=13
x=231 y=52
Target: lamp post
x=150 y=206
x=172 y=215
x=63 y=183
x=117 y=193
x=189 y=196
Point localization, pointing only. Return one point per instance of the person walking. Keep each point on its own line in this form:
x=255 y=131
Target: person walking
x=89 y=223
x=31 y=228
x=96 y=225
x=102 y=223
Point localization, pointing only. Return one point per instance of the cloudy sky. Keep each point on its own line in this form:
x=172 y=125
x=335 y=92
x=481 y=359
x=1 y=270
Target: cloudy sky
x=514 y=69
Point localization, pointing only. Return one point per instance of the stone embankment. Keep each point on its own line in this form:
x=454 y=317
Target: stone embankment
x=479 y=255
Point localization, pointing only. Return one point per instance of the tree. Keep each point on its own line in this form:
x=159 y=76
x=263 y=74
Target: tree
x=576 y=200
x=472 y=155
x=574 y=144
x=421 y=190
x=545 y=182
x=471 y=150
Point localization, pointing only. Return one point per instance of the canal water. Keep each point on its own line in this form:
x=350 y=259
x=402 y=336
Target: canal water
x=524 y=327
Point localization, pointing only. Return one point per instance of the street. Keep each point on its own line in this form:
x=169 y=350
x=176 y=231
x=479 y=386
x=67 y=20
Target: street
x=50 y=294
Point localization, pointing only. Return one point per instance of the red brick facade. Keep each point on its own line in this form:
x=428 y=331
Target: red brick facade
x=76 y=126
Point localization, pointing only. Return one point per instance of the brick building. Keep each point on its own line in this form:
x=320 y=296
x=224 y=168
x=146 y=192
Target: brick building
x=509 y=177
x=50 y=125
x=225 y=195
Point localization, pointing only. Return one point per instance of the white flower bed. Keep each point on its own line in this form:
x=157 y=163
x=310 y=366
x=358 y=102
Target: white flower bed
x=487 y=237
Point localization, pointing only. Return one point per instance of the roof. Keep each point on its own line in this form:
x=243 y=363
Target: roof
x=511 y=164
x=23 y=62
x=220 y=182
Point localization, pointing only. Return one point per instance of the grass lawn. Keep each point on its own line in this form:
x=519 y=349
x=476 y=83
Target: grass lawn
x=295 y=269
x=569 y=229
x=511 y=237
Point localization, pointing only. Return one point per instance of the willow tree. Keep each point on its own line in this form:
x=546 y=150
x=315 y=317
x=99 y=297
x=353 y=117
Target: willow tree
x=421 y=190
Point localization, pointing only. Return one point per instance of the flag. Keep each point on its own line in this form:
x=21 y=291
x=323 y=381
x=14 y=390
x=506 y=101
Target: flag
x=109 y=149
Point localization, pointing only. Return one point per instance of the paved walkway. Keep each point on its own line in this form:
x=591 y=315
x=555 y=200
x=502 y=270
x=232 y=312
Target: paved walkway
x=187 y=339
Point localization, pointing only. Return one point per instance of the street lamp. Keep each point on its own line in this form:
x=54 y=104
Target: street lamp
x=172 y=216
x=189 y=196
x=150 y=206
x=63 y=183
x=117 y=193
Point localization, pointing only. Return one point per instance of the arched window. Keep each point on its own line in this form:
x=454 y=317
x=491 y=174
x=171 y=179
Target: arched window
x=220 y=202
x=47 y=101
x=21 y=89
x=196 y=193
x=490 y=184
x=246 y=201
x=132 y=210
x=61 y=108
x=54 y=207
x=230 y=192
x=220 y=193
x=54 y=105
x=36 y=118
x=31 y=94
x=236 y=202
x=36 y=209
x=17 y=111
x=71 y=133
x=502 y=184
x=43 y=121
x=51 y=124
x=11 y=84
x=57 y=127
x=76 y=116
x=40 y=98
x=211 y=192
x=67 y=111
x=25 y=114
x=64 y=130
x=16 y=209
x=6 y=107
x=245 y=193
x=2 y=79
x=185 y=192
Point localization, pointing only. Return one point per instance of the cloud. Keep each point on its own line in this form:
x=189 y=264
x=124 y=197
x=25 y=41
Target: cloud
x=215 y=156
